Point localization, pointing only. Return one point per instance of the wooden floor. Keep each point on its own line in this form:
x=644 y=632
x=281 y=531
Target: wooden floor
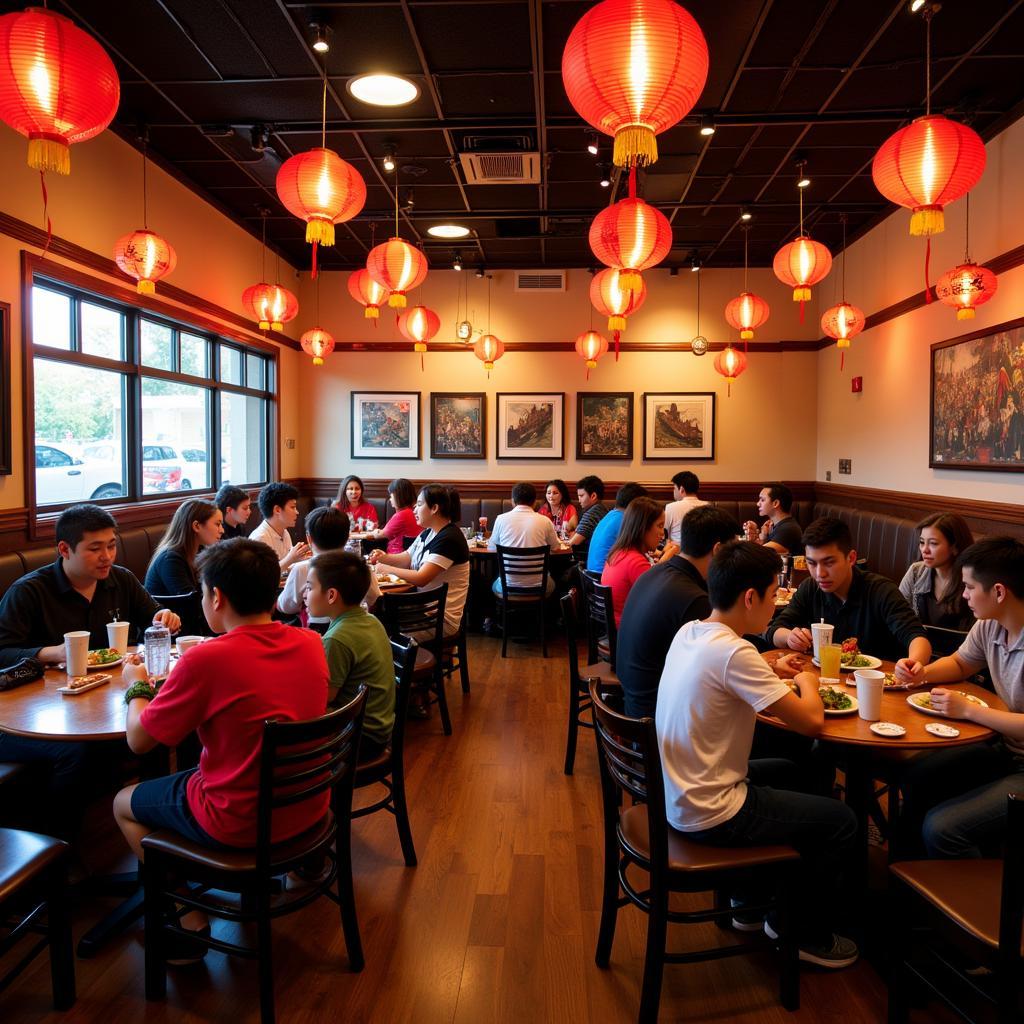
x=497 y=923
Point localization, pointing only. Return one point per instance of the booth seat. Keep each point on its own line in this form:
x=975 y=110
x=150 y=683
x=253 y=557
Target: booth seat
x=888 y=544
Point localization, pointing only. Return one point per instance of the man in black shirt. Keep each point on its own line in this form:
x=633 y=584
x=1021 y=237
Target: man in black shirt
x=779 y=530
x=235 y=506
x=664 y=599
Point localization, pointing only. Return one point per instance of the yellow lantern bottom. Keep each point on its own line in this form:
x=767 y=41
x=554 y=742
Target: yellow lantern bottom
x=277 y=326
x=965 y=313
x=927 y=220
x=419 y=347
x=802 y=294
x=397 y=300
x=616 y=323
x=49 y=154
x=145 y=287
x=317 y=361
x=635 y=144
x=371 y=312
x=843 y=343
x=746 y=334
x=630 y=280
x=264 y=325
x=488 y=366
x=320 y=231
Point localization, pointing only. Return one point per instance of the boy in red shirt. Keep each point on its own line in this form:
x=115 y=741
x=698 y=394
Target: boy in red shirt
x=225 y=689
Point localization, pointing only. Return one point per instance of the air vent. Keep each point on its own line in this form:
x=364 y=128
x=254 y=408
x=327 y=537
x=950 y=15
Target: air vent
x=501 y=168
x=540 y=280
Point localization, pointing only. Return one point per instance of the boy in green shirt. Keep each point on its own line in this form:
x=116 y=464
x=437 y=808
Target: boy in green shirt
x=356 y=645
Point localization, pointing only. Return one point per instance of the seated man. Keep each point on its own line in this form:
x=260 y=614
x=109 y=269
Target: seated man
x=857 y=603
x=522 y=527
x=961 y=793
x=235 y=506
x=711 y=690
x=356 y=644
x=280 y=510
x=779 y=530
x=685 y=486
x=607 y=530
x=590 y=492
x=661 y=601
x=225 y=689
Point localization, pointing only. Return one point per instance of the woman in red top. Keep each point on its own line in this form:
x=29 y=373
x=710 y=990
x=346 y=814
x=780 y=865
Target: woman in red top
x=642 y=529
x=350 y=499
x=556 y=507
x=402 y=524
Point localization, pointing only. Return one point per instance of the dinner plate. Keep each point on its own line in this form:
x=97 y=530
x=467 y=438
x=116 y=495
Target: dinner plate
x=106 y=664
x=873 y=662
x=890 y=730
x=386 y=579
x=947 y=732
x=844 y=711
x=913 y=699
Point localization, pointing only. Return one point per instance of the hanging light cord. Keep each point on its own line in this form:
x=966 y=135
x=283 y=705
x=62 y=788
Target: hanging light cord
x=145 y=208
x=323 y=108
x=263 y=248
x=746 y=250
x=488 y=305
x=843 y=219
x=928 y=62
x=967 y=229
x=698 y=298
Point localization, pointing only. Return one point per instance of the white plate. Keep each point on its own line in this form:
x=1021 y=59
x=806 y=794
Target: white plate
x=845 y=711
x=947 y=732
x=873 y=662
x=105 y=665
x=91 y=685
x=890 y=730
x=931 y=711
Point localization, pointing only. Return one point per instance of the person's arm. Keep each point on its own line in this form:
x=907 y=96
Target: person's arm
x=953 y=705
x=20 y=620
x=373 y=592
x=670 y=550
x=569 y=522
x=298 y=552
x=554 y=541
x=340 y=662
x=584 y=529
x=907 y=585
x=143 y=611
x=801 y=711
x=788 y=629
x=139 y=740
x=418 y=577
x=289 y=601
x=175 y=574
x=396 y=560
x=903 y=623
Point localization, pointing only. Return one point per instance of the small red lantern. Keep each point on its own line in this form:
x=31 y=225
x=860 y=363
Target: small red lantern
x=842 y=322
x=591 y=346
x=633 y=68
x=730 y=364
x=145 y=256
x=57 y=85
x=630 y=236
x=397 y=266
x=270 y=304
x=801 y=264
x=746 y=313
x=419 y=324
x=610 y=299
x=370 y=295
x=965 y=287
x=317 y=342
x=489 y=349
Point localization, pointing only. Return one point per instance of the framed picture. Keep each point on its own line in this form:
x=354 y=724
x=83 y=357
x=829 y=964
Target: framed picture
x=977 y=401
x=531 y=426
x=604 y=425
x=458 y=425
x=679 y=426
x=385 y=424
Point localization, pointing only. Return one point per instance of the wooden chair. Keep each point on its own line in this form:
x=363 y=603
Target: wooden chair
x=640 y=836
x=420 y=614
x=455 y=653
x=298 y=761
x=513 y=565
x=602 y=633
x=388 y=768
x=944 y=641
x=33 y=877
x=973 y=909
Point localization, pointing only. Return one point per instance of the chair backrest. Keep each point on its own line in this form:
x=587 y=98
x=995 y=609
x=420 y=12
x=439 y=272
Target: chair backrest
x=300 y=760
x=944 y=641
x=403 y=654
x=188 y=607
x=1011 y=903
x=601 y=612
x=407 y=543
x=418 y=612
x=523 y=571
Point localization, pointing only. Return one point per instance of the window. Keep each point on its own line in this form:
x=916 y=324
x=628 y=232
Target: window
x=127 y=403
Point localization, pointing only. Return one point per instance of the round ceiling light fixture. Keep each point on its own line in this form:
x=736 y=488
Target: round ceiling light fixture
x=448 y=231
x=383 y=90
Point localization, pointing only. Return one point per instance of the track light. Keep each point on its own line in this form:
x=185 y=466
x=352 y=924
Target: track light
x=389 y=158
x=707 y=124
x=916 y=5
x=745 y=214
x=592 y=143
x=480 y=272
x=457 y=262
x=320 y=43
x=694 y=265
x=803 y=182
x=605 y=178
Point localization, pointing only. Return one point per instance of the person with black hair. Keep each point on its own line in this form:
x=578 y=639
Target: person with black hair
x=607 y=530
x=402 y=523
x=279 y=506
x=236 y=507
x=779 y=530
x=661 y=601
x=590 y=492
x=685 y=486
x=712 y=688
x=522 y=527
x=557 y=507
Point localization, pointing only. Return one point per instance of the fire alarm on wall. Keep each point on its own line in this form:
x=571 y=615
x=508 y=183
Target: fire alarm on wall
x=857 y=385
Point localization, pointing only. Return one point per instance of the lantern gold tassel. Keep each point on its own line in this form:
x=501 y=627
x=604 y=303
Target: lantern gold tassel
x=927 y=220
x=802 y=294
x=630 y=281
x=371 y=312
x=746 y=335
x=616 y=323
x=397 y=301
x=49 y=155
x=635 y=145
x=965 y=313
x=145 y=287
x=275 y=326
x=320 y=231
x=264 y=325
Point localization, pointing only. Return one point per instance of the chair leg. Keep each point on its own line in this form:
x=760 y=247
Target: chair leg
x=574 y=728
x=899 y=928
x=504 y=628
x=265 y=948
x=543 y=634
x=347 y=897
x=442 y=698
x=721 y=902
x=156 y=964
x=402 y=818
x=62 y=960
x=609 y=903
x=463 y=664
x=654 y=960
x=789 y=946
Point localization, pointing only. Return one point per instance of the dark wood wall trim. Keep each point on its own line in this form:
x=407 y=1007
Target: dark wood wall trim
x=6 y=465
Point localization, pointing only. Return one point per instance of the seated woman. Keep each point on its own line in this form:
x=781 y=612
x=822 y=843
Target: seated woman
x=402 y=524
x=934 y=586
x=557 y=507
x=642 y=530
x=350 y=499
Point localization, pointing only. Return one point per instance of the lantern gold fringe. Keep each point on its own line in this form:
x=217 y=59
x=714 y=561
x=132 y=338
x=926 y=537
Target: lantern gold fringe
x=591 y=364
x=635 y=144
x=317 y=361
x=49 y=155
x=965 y=313
x=264 y=325
x=371 y=312
x=276 y=326
x=843 y=343
x=320 y=231
x=488 y=367
x=419 y=346
x=616 y=323
x=927 y=220
x=145 y=287
x=397 y=300
x=802 y=294
x=630 y=281
x=746 y=334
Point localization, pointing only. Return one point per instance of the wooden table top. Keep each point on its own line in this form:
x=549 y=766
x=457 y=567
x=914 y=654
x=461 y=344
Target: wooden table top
x=852 y=730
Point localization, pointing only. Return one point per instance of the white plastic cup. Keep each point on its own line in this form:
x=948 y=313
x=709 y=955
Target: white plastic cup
x=821 y=633
x=185 y=642
x=76 y=652
x=870 y=684
x=117 y=636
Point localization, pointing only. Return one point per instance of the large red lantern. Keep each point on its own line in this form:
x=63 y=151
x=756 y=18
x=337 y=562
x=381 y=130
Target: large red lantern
x=730 y=363
x=397 y=266
x=966 y=287
x=145 y=256
x=630 y=236
x=633 y=68
x=370 y=295
x=610 y=299
x=419 y=324
x=746 y=313
x=317 y=342
x=801 y=264
x=270 y=304
x=590 y=346
x=842 y=322
x=57 y=85
x=489 y=349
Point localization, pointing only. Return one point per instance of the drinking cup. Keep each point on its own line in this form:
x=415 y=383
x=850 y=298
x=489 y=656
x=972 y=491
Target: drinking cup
x=117 y=636
x=185 y=642
x=821 y=633
x=76 y=652
x=829 y=656
x=870 y=684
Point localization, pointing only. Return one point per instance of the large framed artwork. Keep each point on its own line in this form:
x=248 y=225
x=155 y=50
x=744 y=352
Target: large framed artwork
x=604 y=425
x=531 y=426
x=977 y=400
x=679 y=425
x=458 y=425
x=385 y=424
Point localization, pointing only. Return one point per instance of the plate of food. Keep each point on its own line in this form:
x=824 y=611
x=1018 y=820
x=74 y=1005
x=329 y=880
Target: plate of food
x=82 y=684
x=387 y=579
x=923 y=702
x=104 y=657
x=837 y=702
x=853 y=658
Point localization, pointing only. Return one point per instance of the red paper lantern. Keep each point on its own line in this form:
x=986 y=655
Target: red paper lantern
x=489 y=349
x=146 y=256
x=419 y=324
x=317 y=342
x=965 y=287
x=926 y=165
x=397 y=266
x=270 y=304
x=746 y=313
x=630 y=236
x=730 y=363
x=842 y=322
x=370 y=295
x=57 y=85
x=800 y=264
x=610 y=299
x=591 y=346
x=633 y=68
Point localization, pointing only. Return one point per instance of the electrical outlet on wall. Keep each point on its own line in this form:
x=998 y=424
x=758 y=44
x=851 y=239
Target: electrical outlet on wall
x=845 y=467
x=828 y=475
x=289 y=443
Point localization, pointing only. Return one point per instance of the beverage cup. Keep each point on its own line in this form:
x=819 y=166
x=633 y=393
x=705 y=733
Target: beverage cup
x=185 y=642
x=821 y=633
x=829 y=656
x=870 y=684
x=117 y=636
x=76 y=652
x=782 y=580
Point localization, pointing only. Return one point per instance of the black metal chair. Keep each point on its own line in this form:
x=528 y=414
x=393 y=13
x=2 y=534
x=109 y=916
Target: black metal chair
x=944 y=641
x=514 y=566
x=951 y=913
x=602 y=633
x=640 y=836
x=455 y=653
x=298 y=762
x=189 y=608
x=388 y=768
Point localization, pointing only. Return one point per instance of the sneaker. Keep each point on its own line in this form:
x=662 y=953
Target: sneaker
x=744 y=920
x=182 y=950
x=835 y=953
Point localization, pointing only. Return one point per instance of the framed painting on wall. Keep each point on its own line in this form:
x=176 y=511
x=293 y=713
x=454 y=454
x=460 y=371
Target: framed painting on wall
x=604 y=425
x=458 y=425
x=531 y=426
x=977 y=400
x=385 y=424
x=679 y=425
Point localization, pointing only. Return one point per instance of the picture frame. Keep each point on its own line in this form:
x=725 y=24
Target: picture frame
x=530 y=425
x=976 y=401
x=385 y=424
x=604 y=425
x=679 y=425
x=458 y=425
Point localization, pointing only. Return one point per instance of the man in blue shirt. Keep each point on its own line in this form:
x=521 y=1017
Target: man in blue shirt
x=607 y=531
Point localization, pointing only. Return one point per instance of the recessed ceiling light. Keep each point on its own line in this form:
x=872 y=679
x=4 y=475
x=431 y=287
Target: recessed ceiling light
x=448 y=231
x=383 y=90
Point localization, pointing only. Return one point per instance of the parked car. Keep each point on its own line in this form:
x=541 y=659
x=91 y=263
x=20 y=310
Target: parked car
x=62 y=477
x=163 y=469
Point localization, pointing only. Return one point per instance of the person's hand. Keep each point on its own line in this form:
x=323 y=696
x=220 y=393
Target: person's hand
x=750 y=530
x=807 y=682
x=133 y=670
x=167 y=618
x=789 y=666
x=297 y=554
x=909 y=673
x=670 y=550
x=375 y=556
x=799 y=639
x=950 y=703
x=51 y=655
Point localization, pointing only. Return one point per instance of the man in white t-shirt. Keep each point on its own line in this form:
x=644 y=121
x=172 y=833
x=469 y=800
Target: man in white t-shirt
x=713 y=685
x=522 y=527
x=685 y=486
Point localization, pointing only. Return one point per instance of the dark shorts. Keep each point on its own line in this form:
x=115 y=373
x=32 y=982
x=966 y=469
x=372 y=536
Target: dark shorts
x=162 y=803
